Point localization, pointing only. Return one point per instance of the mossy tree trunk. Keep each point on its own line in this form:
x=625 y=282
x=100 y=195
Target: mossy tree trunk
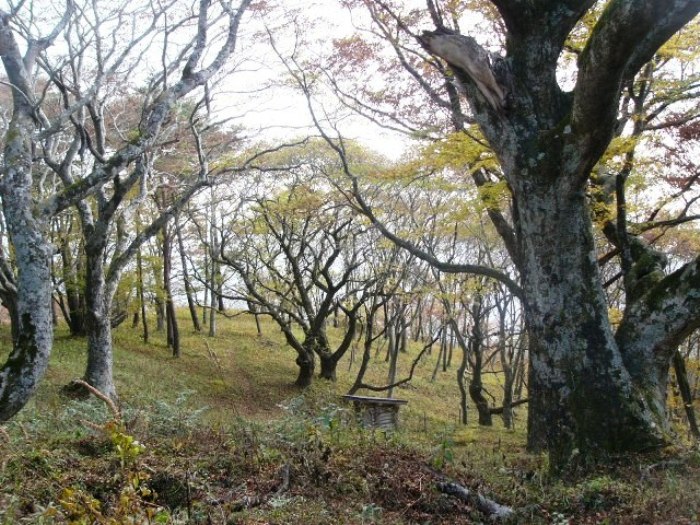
x=32 y=301
x=594 y=391
x=28 y=218
x=99 y=367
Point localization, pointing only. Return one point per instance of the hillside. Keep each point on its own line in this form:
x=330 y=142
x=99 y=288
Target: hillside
x=220 y=435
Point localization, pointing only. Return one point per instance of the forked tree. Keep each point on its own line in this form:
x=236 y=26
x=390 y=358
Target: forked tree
x=595 y=388
x=32 y=143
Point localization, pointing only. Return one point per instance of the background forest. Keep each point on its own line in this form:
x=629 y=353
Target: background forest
x=224 y=216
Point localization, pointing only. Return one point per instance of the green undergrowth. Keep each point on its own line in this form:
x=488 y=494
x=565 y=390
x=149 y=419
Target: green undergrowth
x=221 y=435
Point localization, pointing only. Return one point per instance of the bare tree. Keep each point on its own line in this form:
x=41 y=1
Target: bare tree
x=79 y=116
x=297 y=257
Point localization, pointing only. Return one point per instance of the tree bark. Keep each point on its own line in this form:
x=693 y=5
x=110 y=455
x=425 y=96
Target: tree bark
x=461 y=372
x=306 y=363
x=98 y=371
x=32 y=327
x=33 y=330
x=329 y=367
x=589 y=401
x=213 y=272
x=74 y=297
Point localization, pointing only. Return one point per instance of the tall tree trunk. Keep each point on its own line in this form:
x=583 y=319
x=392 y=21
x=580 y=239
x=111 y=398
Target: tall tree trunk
x=391 y=340
x=393 y=362
x=439 y=359
x=596 y=394
x=686 y=394
x=403 y=347
x=369 y=339
x=33 y=330
x=173 y=331
x=507 y=396
x=160 y=311
x=205 y=301
x=588 y=400
x=444 y=351
x=212 y=315
x=476 y=388
x=418 y=331
x=32 y=327
x=508 y=362
x=98 y=371
x=142 y=298
x=461 y=372
x=213 y=272
x=72 y=270
x=189 y=293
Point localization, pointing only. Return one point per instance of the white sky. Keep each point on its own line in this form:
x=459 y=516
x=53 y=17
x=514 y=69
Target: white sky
x=275 y=112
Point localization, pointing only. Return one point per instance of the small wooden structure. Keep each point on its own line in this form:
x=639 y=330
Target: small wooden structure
x=377 y=413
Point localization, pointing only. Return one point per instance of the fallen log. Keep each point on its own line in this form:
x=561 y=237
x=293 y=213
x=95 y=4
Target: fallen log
x=483 y=504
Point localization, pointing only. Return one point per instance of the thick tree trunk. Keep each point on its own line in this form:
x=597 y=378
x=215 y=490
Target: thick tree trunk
x=98 y=371
x=537 y=423
x=588 y=400
x=329 y=366
x=32 y=328
x=306 y=363
x=318 y=344
x=654 y=326
x=476 y=392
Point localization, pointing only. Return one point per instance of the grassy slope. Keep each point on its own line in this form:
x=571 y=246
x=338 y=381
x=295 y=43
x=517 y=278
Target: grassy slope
x=243 y=379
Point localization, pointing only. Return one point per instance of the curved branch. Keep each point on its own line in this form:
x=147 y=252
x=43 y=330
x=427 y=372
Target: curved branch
x=366 y=210
x=626 y=36
x=659 y=320
x=406 y=379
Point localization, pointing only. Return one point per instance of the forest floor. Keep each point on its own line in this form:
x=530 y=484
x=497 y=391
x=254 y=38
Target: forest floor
x=220 y=435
